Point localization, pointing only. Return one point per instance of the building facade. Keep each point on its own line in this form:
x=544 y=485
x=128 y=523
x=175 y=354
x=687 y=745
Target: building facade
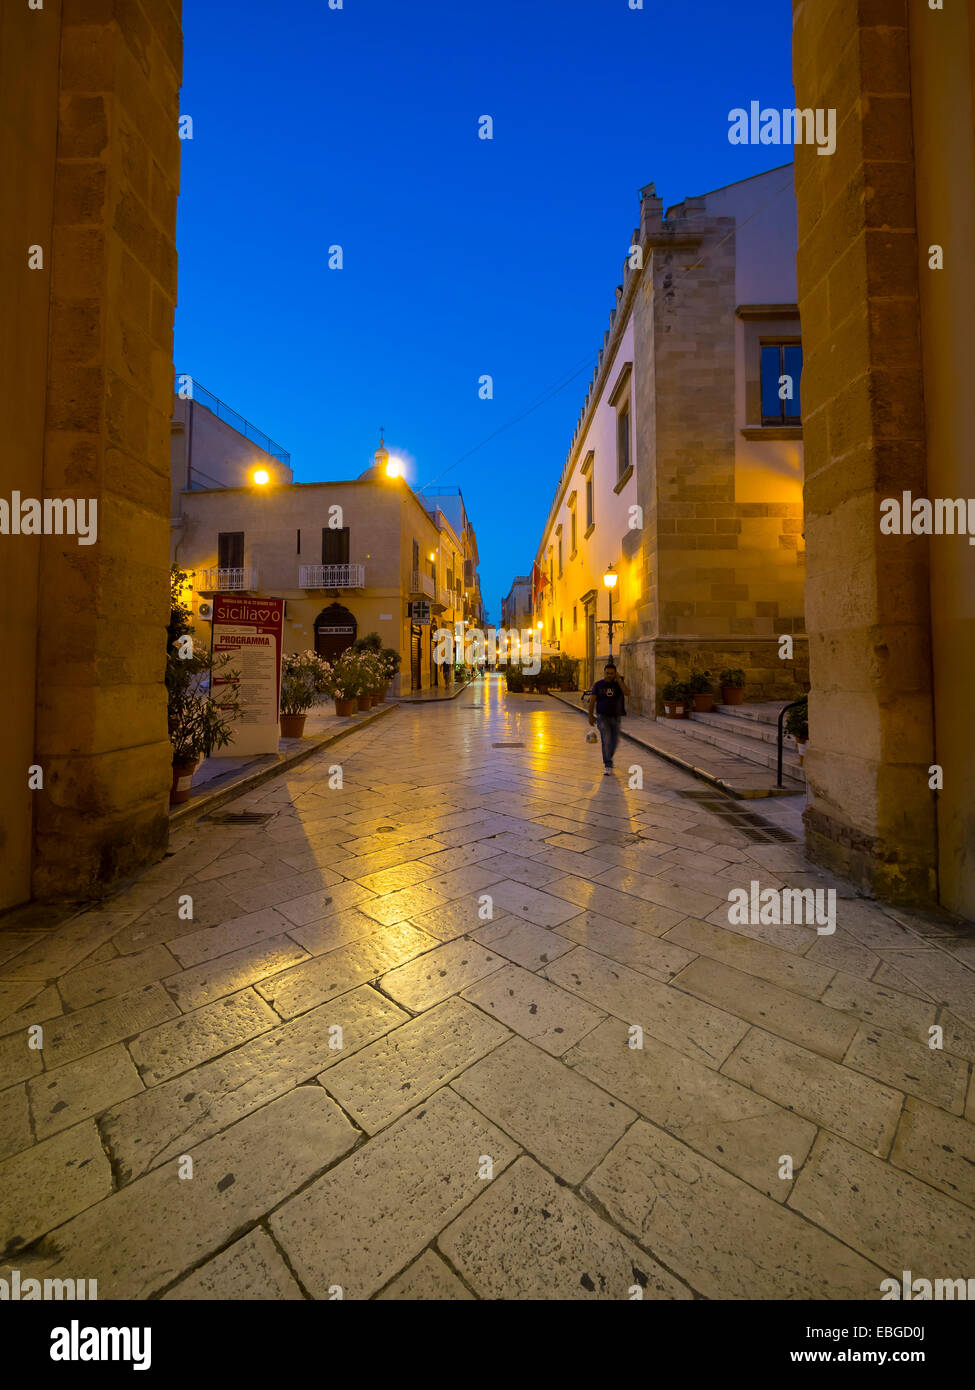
x=685 y=469
x=350 y=557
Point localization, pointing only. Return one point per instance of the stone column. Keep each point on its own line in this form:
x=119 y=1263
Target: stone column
x=101 y=736
x=872 y=815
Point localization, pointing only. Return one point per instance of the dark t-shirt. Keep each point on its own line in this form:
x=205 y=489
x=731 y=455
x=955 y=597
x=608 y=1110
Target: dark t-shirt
x=609 y=697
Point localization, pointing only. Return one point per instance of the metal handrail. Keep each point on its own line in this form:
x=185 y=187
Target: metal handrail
x=782 y=713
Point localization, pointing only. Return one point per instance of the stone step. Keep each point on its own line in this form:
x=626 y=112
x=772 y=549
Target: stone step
x=756 y=711
x=749 y=749
x=756 y=729
x=685 y=745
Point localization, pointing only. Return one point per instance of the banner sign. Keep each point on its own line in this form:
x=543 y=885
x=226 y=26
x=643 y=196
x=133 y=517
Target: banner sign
x=250 y=632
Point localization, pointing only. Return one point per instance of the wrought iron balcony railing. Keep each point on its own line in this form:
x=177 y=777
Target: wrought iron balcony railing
x=219 y=581
x=331 y=576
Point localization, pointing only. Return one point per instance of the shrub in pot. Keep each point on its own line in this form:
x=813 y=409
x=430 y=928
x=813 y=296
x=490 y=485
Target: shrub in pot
x=305 y=679
x=391 y=662
x=732 y=682
x=797 y=724
x=566 y=669
x=677 y=699
x=547 y=677
x=346 y=682
x=370 y=649
x=197 y=723
x=515 y=680
x=702 y=690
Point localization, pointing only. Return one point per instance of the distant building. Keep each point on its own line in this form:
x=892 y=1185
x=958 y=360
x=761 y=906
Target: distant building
x=350 y=557
x=685 y=469
x=516 y=606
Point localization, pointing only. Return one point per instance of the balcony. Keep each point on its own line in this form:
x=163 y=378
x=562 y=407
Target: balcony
x=446 y=597
x=422 y=586
x=331 y=576
x=225 y=581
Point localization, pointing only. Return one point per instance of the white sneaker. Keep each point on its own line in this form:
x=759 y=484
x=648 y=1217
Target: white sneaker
x=607 y=772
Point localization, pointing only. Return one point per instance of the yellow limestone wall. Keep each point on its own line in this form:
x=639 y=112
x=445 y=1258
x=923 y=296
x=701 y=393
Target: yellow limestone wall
x=89 y=113
x=868 y=612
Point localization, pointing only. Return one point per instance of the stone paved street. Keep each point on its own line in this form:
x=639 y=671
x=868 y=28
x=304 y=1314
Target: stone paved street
x=395 y=1041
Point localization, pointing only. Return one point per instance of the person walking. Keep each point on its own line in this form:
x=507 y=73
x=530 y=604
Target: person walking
x=606 y=708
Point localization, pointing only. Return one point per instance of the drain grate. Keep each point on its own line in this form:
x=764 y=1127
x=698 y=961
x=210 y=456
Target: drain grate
x=239 y=817
x=507 y=745
x=753 y=826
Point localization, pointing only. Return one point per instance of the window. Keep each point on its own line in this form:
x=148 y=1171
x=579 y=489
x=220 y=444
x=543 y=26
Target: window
x=781 y=374
x=622 y=439
x=230 y=550
x=560 y=556
x=561 y=623
x=573 y=529
x=298 y=550
x=589 y=502
x=575 y=619
x=416 y=556
x=335 y=545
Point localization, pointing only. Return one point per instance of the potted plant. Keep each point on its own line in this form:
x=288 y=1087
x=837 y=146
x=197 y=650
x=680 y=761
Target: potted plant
x=732 y=682
x=460 y=671
x=367 y=680
x=546 y=678
x=566 y=668
x=677 y=699
x=305 y=678
x=702 y=691
x=797 y=724
x=197 y=723
x=346 y=682
x=391 y=662
x=515 y=681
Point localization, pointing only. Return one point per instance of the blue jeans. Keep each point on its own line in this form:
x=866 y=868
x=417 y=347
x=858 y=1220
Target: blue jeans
x=609 y=732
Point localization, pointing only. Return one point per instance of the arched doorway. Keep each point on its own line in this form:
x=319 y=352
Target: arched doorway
x=335 y=630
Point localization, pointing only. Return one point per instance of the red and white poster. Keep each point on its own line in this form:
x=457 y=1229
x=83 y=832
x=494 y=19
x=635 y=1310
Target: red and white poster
x=250 y=632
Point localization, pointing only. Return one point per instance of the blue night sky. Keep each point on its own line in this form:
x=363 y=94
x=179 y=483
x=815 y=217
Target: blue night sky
x=462 y=256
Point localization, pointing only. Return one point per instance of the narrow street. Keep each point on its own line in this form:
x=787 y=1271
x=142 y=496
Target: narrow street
x=473 y=1023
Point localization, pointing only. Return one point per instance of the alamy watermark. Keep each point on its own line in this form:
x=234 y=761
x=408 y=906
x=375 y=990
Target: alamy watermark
x=20 y=1290
x=766 y=126
x=908 y=515
x=50 y=516
x=495 y=646
x=755 y=906
x=926 y=1290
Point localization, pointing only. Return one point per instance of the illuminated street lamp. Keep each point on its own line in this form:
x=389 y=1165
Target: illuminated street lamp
x=261 y=477
x=609 y=579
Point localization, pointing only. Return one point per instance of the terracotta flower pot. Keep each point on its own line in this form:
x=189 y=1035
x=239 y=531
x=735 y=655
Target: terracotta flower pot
x=731 y=694
x=345 y=706
x=182 y=781
x=703 y=702
x=293 y=725
x=364 y=701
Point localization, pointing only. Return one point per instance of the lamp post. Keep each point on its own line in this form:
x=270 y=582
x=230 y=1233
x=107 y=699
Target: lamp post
x=609 y=580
